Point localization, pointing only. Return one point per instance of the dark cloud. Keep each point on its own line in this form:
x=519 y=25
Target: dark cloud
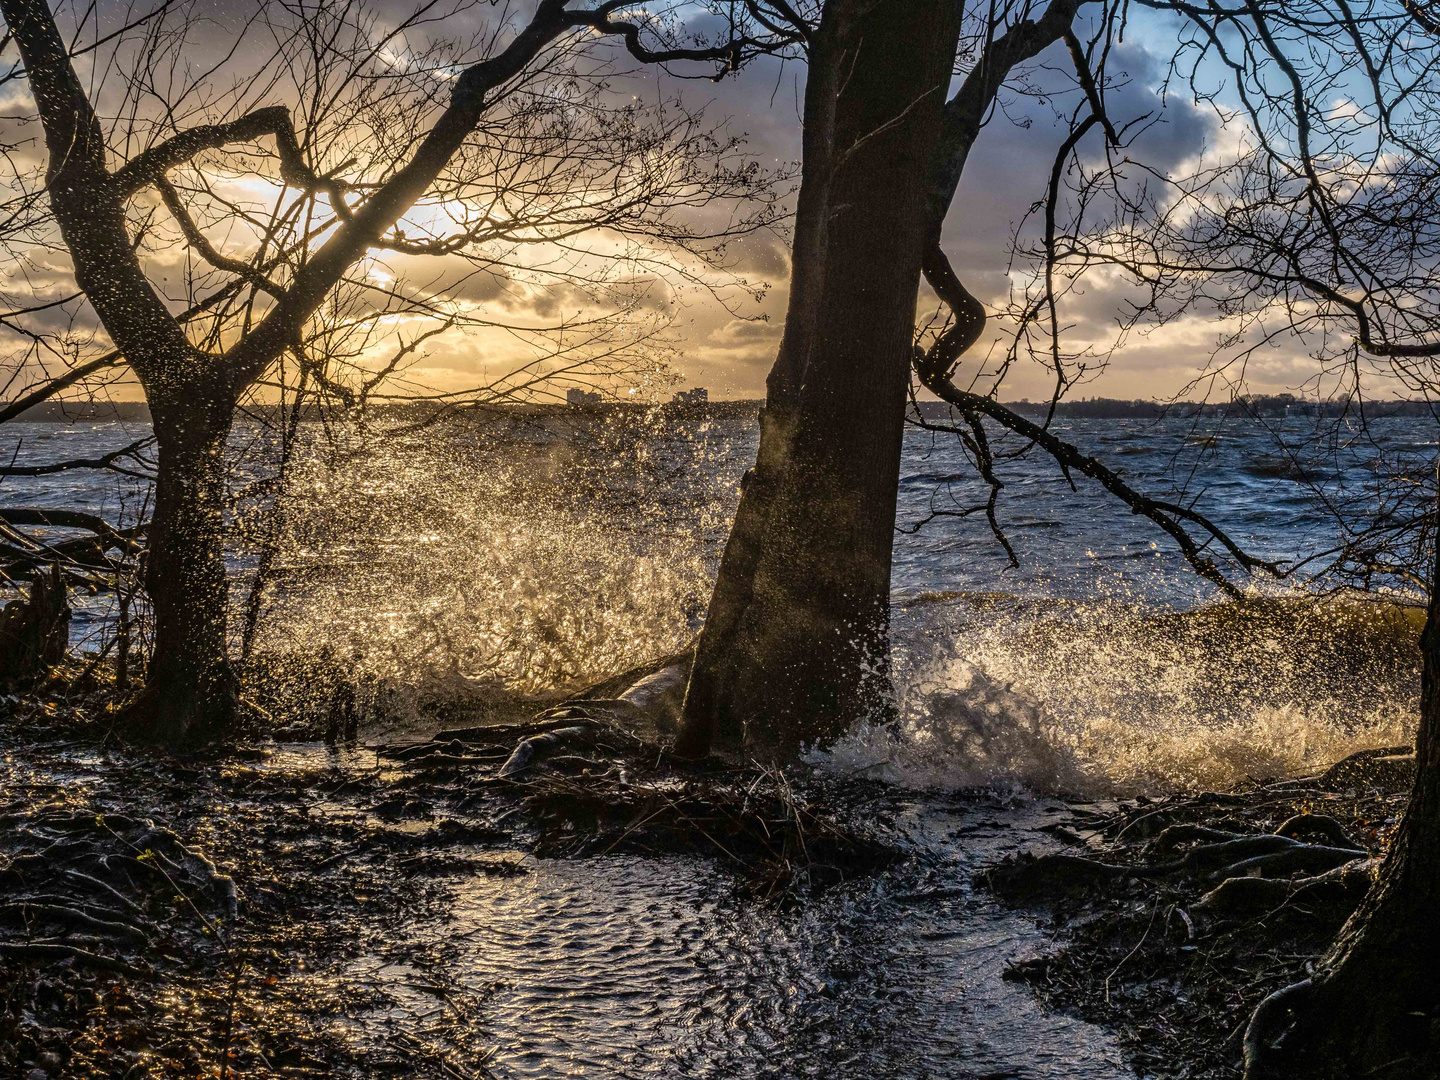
x=1006 y=174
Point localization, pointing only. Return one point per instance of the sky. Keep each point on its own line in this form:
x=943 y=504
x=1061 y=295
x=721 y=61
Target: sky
x=720 y=332
x=730 y=351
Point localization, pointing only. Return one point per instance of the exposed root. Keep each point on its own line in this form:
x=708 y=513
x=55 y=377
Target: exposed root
x=1249 y=888
x=104 y=879
x=49 y=951
x=593 y=787
x=1263 y=856
x=1268 y=1020
x=1322 y=824
x=1334 y=895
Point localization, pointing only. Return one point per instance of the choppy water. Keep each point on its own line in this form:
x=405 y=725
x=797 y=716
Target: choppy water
x=508 y=554
x=512 y=556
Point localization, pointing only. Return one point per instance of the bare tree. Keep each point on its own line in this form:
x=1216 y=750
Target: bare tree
x=1317 y=231
x=370 y=138
x=793 y=645
x=825 y=626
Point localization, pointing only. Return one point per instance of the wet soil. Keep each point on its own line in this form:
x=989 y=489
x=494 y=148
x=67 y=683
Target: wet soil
x=279 y=911
x=406 y=910
x=1174 y=975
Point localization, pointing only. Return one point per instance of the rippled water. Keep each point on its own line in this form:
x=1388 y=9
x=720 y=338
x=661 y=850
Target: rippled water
x=631 y=967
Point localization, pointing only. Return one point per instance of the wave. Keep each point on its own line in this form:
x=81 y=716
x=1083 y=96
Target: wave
x=1110 y=698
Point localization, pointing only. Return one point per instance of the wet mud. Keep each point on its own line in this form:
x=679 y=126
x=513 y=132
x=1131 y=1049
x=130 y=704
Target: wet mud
x=297 y=910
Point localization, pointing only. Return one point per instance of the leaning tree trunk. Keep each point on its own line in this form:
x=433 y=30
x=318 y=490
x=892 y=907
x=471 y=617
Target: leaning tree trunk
x=795 y=643
x=190 y=695
x=1372 y=1007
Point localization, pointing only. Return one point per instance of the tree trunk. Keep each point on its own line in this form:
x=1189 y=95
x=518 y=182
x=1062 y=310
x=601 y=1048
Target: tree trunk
x=35 y=630
x=190 y=695
x=1373 y=1006
x=795 y=645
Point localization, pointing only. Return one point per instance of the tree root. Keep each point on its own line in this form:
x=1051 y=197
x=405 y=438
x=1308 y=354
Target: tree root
x=26 y=913
x=1264 y=855
x=1326 y=826
x=593 y=785
x=1302 y=858
x=1266 y=1023
x=108 y=882
x=1250 y=890
x=529 y=751
x=1330 y=896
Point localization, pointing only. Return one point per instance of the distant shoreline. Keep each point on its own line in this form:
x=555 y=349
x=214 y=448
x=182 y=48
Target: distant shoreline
x=1256 y=406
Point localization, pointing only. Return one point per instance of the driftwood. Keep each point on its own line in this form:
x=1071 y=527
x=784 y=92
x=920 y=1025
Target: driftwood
x=35 y=630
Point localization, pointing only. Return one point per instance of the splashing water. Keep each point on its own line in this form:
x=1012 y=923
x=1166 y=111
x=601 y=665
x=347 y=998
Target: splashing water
x=1106 y=698
x=522 y=554
x=508 y=555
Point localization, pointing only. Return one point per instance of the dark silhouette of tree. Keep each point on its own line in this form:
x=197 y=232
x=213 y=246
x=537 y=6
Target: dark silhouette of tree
x=394 y=119
x=794 y=646
x=1318 y=230
x=799 y=614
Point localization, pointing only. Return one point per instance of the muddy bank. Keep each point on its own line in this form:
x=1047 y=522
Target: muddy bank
x=412 y=913
x=1176 y=917
x=163 y=918
x=520 y=899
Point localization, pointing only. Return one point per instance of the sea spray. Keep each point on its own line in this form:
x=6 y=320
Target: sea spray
x=524 y=552
x=1108 y=698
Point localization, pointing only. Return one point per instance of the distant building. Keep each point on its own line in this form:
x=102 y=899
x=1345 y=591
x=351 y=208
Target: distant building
x=698 y=396
x=582 y=398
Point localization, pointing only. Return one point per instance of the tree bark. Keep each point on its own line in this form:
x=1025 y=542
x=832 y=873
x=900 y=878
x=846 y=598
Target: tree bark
x=795 y=645
x=1373 y=1006
x=190 y=696
x=35 y=630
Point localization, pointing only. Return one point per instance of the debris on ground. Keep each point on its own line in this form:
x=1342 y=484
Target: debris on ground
x=1177 y=916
